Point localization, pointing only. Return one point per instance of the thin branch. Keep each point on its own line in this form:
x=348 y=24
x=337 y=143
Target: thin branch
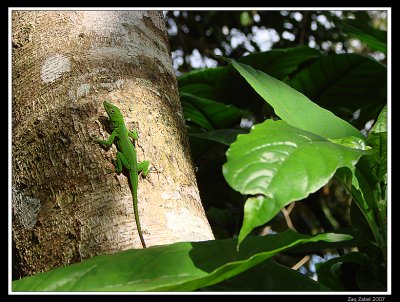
x=286 y=214
x=301 y=262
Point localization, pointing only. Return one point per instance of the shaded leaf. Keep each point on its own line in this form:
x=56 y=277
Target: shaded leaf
x=223 y=136
x=280 y=63
x=366 y=193
x=363 y=236
x=208 y=114
x=348 y=81
x=268 y=276
x=332 y=275
x=378 y=141
x=371 y=277
x=225 y=85
x=351 y=272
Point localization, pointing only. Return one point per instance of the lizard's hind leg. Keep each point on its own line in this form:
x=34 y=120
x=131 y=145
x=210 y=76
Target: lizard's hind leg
x=144 y=167
x=121 y=161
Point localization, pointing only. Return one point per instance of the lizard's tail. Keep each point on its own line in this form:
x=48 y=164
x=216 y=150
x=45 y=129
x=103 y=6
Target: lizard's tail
x=139 y=229
x=133 y=177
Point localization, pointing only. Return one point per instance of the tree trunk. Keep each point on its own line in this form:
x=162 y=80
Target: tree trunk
x=67 y=202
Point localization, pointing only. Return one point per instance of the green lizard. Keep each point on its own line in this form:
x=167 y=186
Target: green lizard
x=126 y=155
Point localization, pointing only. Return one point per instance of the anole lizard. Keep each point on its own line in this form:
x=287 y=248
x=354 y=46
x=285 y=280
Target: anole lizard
x=126 y=155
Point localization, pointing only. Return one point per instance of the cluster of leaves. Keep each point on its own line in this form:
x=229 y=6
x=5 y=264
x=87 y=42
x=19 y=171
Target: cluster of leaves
x=282 y=161
x=234 y=33
x=294 y=147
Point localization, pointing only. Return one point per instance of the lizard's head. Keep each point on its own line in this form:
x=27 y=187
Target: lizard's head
x=114 y=114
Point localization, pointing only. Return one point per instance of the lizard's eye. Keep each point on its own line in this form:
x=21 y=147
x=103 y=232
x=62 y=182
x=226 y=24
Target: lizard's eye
x=112 y=110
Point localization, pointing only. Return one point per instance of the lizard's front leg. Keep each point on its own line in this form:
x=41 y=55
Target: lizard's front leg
x=133 y=134
x=109 y=141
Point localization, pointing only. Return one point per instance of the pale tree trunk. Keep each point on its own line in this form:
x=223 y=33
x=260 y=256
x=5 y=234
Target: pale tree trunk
x=67 y=202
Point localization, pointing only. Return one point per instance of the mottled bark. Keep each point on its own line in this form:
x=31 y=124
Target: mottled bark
x=67 y=202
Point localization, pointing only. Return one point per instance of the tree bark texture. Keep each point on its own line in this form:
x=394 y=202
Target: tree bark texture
x=67 y=202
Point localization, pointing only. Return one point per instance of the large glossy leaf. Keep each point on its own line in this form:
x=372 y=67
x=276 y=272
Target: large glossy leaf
x=294 y=107
x=277 y=164
x=348 y=81
x=269 y=276
x=225 y=85
x=180 y=266
x=208 y=114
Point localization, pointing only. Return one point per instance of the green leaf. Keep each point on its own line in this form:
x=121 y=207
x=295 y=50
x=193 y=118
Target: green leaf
x=208 y=114
x=349 y=81
x=363 y=236
x=280 y=63
x=319 y=246
x=378 y=141
x=268 y=276
x=360 y=29
x=278 y=164
x=351 y=142
x=182 y=266
x=381 y=122
x=295 y=108
x=223 y=136
x=225 y=85
x=366 y=193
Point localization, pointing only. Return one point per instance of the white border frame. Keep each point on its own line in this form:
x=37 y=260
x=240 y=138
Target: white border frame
x=389 y=186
